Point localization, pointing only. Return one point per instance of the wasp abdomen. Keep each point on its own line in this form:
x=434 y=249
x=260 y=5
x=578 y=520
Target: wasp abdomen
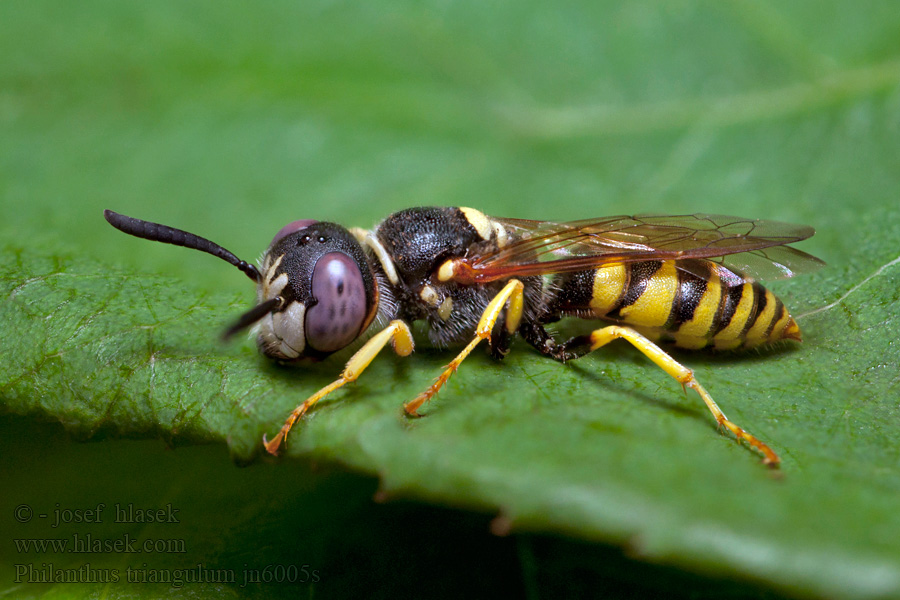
x=687 y=302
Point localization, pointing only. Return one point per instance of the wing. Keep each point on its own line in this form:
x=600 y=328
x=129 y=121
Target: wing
x=755 y=248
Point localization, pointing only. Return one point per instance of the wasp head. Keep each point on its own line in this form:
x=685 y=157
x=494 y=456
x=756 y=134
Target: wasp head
x=316 y=291
x=320 y=292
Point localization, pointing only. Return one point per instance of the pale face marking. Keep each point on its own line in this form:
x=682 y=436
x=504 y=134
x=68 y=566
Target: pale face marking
x=274 y=288
x=270 y=271
x=283 y=330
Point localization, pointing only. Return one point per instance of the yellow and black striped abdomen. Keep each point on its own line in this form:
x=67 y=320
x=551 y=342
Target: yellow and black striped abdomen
x=683 y=301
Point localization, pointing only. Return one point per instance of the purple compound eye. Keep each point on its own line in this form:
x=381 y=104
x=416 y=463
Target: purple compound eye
x=340 y=310
x=292 y=227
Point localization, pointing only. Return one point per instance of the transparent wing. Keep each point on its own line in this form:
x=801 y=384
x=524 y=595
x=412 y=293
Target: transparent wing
x=755 y=248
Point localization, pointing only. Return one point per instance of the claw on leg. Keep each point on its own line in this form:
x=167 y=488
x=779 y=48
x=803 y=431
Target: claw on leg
x=685 y=377
x=413 y=406
x=397 y=332
x=512 y=292
x=297 y=414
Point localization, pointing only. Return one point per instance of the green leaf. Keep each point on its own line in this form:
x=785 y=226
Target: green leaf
x=229 y=121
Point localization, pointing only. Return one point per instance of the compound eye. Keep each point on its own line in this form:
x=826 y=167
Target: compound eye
x=337 y=317
x=292 y=227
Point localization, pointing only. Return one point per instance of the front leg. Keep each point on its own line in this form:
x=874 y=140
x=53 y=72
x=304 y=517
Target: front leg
x=397 y=332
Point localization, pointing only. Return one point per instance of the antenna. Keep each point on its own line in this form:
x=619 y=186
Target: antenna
x=253 y=315
x=177 y=237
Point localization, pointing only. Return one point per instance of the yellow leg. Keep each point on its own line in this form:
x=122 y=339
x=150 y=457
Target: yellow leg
x=397 y=332
x=512 y=292
x=684 y=376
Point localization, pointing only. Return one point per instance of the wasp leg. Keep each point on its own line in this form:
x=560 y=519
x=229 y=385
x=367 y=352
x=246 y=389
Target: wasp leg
x=513 y=292
x=680 y=373
x=397 y=332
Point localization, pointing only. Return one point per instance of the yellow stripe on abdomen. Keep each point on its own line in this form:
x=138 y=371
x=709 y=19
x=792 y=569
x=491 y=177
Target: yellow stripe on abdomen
x=609 y=287
x=730 y=337
x=695 y=333
x=689 y=302
x=654 y=305
x=756 y=335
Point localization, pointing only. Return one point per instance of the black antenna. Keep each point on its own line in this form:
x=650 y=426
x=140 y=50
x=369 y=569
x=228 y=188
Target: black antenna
x=177 y=237
x=253 y=315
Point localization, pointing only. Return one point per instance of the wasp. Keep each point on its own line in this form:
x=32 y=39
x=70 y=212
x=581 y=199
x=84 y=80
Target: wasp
x=689 y=279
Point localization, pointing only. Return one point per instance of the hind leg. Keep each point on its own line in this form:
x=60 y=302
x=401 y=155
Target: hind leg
x=582 y=345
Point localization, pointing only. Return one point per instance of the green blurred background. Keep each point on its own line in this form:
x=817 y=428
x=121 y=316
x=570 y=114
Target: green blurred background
x=231 y=119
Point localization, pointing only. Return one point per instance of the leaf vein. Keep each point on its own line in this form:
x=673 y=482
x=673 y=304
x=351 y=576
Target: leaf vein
x=851 y=291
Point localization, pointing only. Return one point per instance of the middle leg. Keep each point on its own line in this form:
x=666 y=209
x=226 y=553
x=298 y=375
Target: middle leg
x=512 y=292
